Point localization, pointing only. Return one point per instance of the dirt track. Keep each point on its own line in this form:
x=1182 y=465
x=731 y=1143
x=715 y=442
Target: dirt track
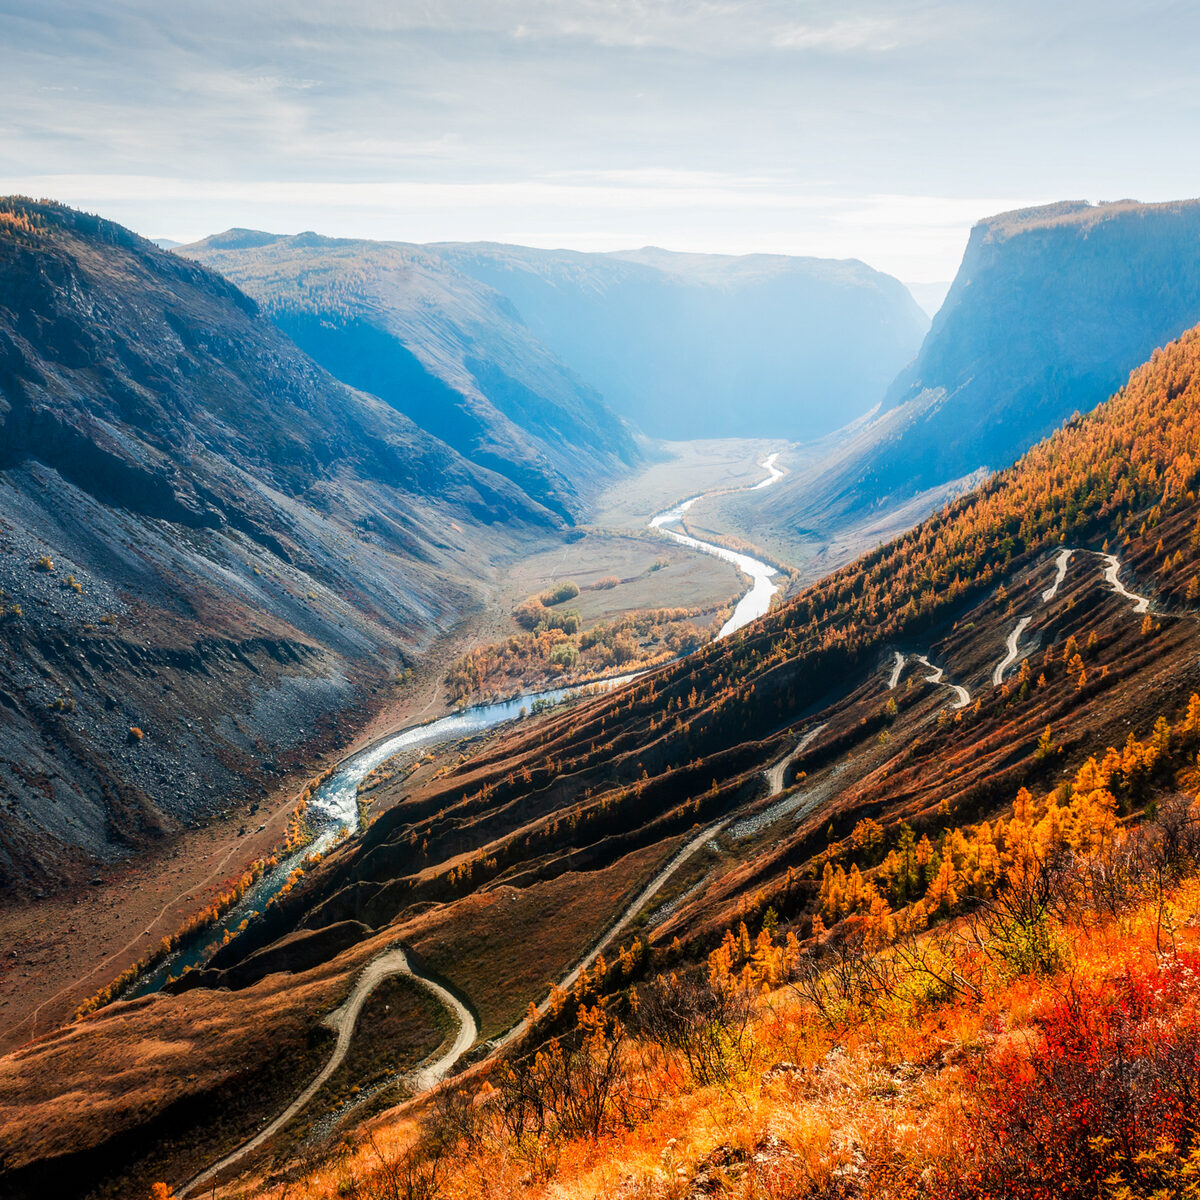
x=343 y=1020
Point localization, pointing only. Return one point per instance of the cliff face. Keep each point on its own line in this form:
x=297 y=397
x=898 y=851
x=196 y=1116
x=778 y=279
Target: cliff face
x=709 y=345
x=203 y=535
x=1051 y=309
x=438 y=346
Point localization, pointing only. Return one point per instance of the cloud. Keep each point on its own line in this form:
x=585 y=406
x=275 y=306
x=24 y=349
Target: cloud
x=814 y=122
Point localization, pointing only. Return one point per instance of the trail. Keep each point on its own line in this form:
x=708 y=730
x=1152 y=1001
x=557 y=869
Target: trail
x=627 y=914
x=1141 y=604
x=774 y=773
x=962 y=696
x=801 y=803
x=774 y=777
x=1012 y=643
x=1112 y=568
x=343 y=1020
x=1064 y=557
x=1011 y=656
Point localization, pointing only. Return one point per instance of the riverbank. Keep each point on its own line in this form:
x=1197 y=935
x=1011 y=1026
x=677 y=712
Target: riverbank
x=59 y=950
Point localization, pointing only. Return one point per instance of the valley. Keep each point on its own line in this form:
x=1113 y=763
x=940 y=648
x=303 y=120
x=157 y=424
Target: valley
x=489 y=751
x=599 y=601
x=102 y=929
x=642 y=824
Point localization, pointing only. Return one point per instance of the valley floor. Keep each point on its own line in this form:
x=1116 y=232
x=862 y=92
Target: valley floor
x=61 y=949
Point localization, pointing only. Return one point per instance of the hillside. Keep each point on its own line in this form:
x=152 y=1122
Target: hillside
x=867 y=760
x=211 y=551
x=1050 y=310
x=438 y=346
x=757 y=345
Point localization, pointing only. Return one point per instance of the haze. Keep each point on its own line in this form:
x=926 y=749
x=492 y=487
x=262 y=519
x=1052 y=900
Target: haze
x=877 y=131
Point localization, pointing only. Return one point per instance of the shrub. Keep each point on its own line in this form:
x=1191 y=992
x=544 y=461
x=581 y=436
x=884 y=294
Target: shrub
x=529 y=614
x=136 y=734
x=577 y=1085
x=565 y=655
x=45 y=563
x=1105 y=1103
x=567 y=590
x=609 y=581
x=707 y=1021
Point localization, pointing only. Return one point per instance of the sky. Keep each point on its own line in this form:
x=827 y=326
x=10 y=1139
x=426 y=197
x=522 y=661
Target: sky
x=878 y=131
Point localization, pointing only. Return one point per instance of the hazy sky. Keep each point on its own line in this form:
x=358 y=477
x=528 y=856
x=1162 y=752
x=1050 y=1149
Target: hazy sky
x=870 y=130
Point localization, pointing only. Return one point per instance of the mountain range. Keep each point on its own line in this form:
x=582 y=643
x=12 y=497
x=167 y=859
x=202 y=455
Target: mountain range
x=434 y=344
x=1051 y=308
x=895 y=886
x=205 y=538
x=803 y=344
x=839 y=772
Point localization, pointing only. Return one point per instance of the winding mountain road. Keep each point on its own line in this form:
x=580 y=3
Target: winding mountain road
x=1011 y=650
x=1060 y=564
x=961 y=696
x=774 y=773
x=627 y=914
x=343 y=1020
x=1112 y=568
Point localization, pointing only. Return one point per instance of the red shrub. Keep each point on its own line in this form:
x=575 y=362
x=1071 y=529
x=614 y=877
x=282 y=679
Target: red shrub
x=1110 y=1090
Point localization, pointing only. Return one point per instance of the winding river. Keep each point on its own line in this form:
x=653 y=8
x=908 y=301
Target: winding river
x=333 y=807
x=757 y=600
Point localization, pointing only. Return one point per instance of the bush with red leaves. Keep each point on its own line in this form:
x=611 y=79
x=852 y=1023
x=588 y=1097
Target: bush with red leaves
x=1105 y=1101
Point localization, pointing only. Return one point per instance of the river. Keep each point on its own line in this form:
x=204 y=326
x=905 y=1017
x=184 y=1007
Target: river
x=333 y=807
x=758 y=599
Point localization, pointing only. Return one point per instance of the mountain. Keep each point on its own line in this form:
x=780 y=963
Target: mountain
x=934 y=784
x=439 y=346
x=212 y=552
x=1051 y=309
x=710 y=345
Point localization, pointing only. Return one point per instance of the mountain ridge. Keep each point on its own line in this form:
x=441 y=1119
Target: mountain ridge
x=746 y=344
x=188 y=498
x=438 y=346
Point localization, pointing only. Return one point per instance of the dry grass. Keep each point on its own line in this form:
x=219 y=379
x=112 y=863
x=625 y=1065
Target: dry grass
x=505 y=946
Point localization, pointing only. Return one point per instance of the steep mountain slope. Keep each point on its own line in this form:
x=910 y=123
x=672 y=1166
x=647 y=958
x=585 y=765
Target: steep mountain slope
x=438 y=346
x=209 y=547
x=891 y=710
x=1050 y=310
x=709 y=345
